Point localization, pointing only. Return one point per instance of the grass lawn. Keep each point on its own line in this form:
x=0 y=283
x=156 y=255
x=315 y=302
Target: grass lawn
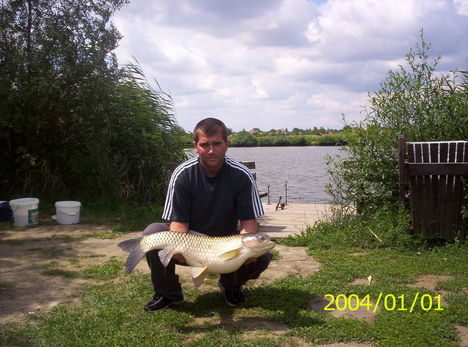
x=111 y=313
x=287 y=312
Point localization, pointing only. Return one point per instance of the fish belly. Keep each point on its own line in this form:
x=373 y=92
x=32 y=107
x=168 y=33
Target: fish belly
x=226 y=266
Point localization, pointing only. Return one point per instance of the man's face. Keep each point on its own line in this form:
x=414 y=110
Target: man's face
x=211 y=150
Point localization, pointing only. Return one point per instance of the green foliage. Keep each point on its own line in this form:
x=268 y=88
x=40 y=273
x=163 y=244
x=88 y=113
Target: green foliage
x=388 y=226
x=72 y=124
x=415 y=101
x=120 y=216
x=143 y=137
x=246 y=139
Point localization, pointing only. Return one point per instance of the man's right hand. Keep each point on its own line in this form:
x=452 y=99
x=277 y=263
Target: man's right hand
x=180 y=258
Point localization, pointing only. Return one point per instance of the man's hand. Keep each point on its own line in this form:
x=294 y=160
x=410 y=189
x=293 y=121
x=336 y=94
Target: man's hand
x=180 y=258
x=249 y=226
x=250 y=261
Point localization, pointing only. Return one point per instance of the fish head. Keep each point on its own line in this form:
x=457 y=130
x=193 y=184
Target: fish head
x=258 y=243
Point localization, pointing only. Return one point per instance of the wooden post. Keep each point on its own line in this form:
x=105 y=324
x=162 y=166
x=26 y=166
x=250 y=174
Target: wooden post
x=401 y=167
x=268 y=192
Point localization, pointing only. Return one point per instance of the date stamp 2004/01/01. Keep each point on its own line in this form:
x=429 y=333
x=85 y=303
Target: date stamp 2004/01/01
x=389 y=302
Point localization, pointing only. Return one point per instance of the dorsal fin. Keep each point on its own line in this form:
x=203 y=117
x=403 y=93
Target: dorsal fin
x=155 y=228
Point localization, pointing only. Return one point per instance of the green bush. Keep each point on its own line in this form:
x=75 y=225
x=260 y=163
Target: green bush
x=388 y=226
x=415 y=101
x=243 y=139
x=73 y=125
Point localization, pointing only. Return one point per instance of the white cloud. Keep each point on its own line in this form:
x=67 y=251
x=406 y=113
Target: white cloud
x=283 y=63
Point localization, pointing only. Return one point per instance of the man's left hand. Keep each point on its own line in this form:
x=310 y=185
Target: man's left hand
x=250 y=261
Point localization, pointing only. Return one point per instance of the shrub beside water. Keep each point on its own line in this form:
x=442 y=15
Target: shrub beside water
x=389 y=226
x=416 y=101
x=245 y=139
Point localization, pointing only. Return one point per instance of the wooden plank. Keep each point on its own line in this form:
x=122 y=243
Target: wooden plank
x=434 y=193
x=455 y=202
x=248 y=164
x=251 y=165
x=443 y=191
x=401 y=168
x=414 y=193
x=425 y=169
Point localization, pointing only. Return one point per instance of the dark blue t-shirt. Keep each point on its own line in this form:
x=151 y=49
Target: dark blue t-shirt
x=212 y=205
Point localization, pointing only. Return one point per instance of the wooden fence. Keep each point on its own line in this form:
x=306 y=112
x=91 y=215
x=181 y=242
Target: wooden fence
x=437 y=176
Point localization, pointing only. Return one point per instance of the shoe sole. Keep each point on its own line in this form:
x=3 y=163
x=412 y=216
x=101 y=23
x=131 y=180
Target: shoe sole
x=225 y=299
x=165 y=307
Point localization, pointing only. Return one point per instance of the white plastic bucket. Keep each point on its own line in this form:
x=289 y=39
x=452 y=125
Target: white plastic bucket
x=68 y=212
x=25 y=211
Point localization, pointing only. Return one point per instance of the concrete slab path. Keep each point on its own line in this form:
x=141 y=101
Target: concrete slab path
x=293 y=219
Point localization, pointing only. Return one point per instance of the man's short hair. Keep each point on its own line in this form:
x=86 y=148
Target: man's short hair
x=210 y=127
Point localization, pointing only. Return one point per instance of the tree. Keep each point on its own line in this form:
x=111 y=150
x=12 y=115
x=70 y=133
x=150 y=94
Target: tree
x=243 y=139
x=66 y=107
x=415 y=101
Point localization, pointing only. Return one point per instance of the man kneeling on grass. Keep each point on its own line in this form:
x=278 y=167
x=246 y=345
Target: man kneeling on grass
x=209 y=194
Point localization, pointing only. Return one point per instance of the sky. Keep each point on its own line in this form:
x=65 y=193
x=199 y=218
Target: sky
x=277 y=64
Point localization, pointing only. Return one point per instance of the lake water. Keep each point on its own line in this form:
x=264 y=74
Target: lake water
x=303 y=168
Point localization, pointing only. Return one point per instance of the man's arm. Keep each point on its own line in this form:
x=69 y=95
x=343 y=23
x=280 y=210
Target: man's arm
x=179 y=227
x=182 y=228
x=248 y=226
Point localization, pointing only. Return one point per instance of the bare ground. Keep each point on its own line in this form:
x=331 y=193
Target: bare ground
x=24 y=254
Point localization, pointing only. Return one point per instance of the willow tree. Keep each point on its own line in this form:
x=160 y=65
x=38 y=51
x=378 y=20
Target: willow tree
x=61 y=101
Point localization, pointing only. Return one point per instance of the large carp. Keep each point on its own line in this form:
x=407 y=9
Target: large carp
x=203 y=253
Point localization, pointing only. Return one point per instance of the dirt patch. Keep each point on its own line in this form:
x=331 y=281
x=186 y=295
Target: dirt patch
x=463 y=334
x=24 y=254
x=348 y=344
x=363 y=281
x=341 y=309
x=430 y=282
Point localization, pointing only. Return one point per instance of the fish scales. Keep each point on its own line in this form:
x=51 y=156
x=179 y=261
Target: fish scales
x=203 y=253
x=198 y=250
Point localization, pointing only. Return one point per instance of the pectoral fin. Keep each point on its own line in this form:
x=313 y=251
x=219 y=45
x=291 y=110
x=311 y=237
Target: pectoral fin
x=198 y=275
x=230 y=254
x=166 y=254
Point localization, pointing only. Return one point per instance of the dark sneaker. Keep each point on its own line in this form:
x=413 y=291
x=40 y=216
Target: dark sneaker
x=159 y=302
x=233 y=297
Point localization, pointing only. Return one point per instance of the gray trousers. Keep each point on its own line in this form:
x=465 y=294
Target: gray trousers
x=166 y=282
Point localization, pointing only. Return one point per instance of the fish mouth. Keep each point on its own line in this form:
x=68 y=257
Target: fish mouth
x=258 y=242
x=262 y=248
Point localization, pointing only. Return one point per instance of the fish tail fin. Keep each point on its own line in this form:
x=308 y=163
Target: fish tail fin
x=132 y=246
